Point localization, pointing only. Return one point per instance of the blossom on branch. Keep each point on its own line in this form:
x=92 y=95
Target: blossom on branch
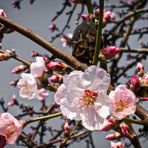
x=37 y=68
x=27 y=85
x=117 y=145
x=123 y=102
x=10 y=127
x=82 y=96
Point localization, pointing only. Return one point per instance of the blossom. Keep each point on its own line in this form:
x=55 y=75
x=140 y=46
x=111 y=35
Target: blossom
x=41 y=94
x=2 y=13
x=10 y=127
x=140 y=67
x=37 y=68
x=144 y=80
x=27 y=85
x=66 y=39
x=82 y=96
x=109 y=51
x=123 y=102
x=117 y=145
x=108 y=124
x=53 y=65
x=85 y=16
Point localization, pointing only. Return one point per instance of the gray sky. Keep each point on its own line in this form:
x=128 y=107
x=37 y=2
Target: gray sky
x=37 y=18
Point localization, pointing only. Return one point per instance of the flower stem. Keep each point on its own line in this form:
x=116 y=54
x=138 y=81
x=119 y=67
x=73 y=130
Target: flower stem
x=44 y=117
x=135 y=121
x=99 y=31
x=89 y=6
x=70 y=134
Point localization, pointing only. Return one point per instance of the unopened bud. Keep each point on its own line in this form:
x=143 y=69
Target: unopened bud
x=53 y=65
x=4 y=56
x=66 y=126
x=134 y=84
x=2 y=13
x=113 y=136
x=66 y=39
x=109 y=51
x=124 y=128
x=108 y=124
x=52 y=27
x=85 y=16
x=139 y=67
x=76 y=1
x=10 y=103
x=55 y=78
x=18 y=69
x=144 y=80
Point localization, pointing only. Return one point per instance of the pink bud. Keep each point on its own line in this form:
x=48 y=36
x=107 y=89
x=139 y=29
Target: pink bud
x=52 y=27
x=117 y=145
x=108 y=124
x=131 y=2
x=109 y=51
x=14 y=98
x=56 y=64
x=85 y=16
x=134 y=83
x=10 y=103
x=113 y=136
x=66 y=126
x=124 y=128
x=18 y=69
x=4 y=56
x=55 y=78
x=139 y=67
x=2 y=13
x=145 y=99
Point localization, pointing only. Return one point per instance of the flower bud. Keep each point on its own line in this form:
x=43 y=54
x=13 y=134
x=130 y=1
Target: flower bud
x=124 y=128
x=2 y=13
x=55 y=78
x=134 y=84
x=85 y=16
x=66 y=126
x=108 y=124
x=131 y=2
x=109 y=51
x=52 y=27
x=117 y=145
x=113 y=136
x=4 y=56
x=18 y=69
x=53 y=65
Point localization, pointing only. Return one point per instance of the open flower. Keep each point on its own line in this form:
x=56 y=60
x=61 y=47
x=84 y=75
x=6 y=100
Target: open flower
x=27 y=85
x=82 y=96
x=37 y=68
x=123 y=102
x=10 y=127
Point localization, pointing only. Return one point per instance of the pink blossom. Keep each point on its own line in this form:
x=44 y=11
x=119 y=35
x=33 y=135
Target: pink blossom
x=66 y=39
x=123 y=102
x=134 y=83
x=108 y=124
x=109 y=51
x=37 y=68
x=117 y=145
x=2 y=13
x=27 y=85
x=85 y=16
x=53 y=65
x=42 y=94
x=55 y=78
x=82 y=96
x=10 y=127
x=139 y=67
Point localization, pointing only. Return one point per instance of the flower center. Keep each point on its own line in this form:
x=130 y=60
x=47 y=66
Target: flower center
x=120 y=106
x=89 y=97
x=10 y=131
